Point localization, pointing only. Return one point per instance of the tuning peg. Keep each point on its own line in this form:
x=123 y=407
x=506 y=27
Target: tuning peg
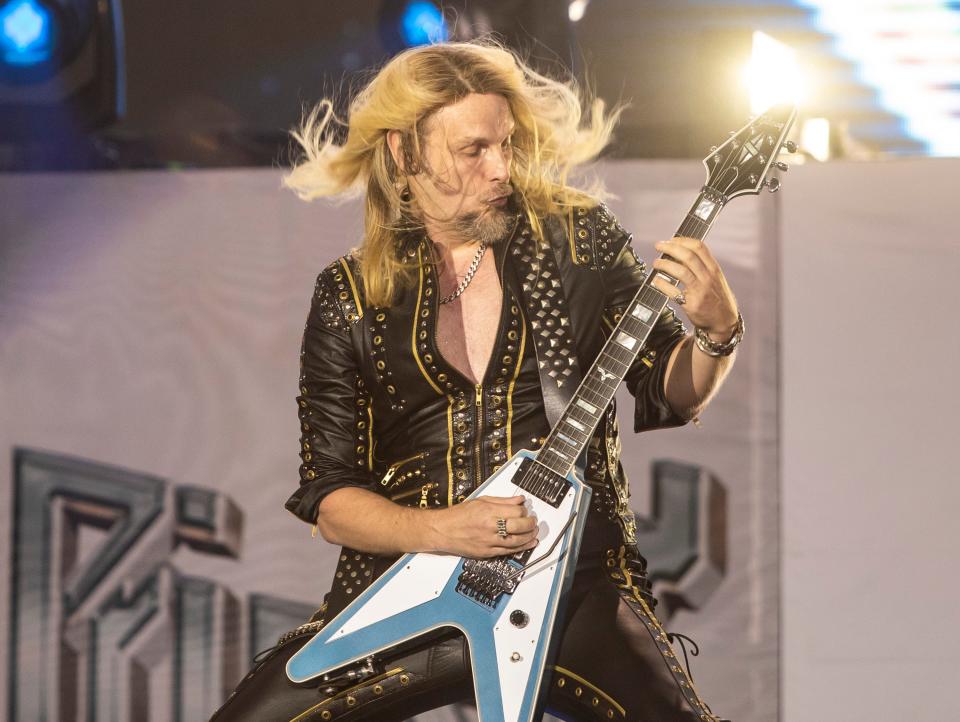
x=782 y=166
x=773 y=184
x=790 y=146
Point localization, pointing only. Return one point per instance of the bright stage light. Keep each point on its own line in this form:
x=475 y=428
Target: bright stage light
x=26 y=33
x=422 y=23
x=815 y=138
x=576 y=9
x=908 y=53
x=772 y=75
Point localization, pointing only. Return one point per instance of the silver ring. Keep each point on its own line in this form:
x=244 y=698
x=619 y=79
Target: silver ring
x=502 y=528
x=680 y=299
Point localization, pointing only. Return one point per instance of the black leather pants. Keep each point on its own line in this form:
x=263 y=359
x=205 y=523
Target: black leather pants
x=614 y=663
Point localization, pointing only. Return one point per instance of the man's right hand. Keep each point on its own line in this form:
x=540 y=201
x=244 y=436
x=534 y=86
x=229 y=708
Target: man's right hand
x=469 y=529
x=366 y=521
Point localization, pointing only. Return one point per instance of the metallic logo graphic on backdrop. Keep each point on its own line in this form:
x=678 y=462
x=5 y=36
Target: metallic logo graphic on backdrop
x=105 y=626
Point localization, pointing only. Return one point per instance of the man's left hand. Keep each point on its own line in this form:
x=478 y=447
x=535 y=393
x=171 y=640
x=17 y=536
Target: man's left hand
x=708 y=301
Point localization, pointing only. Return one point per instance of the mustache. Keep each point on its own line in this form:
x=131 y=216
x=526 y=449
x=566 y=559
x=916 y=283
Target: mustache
x=506 y=190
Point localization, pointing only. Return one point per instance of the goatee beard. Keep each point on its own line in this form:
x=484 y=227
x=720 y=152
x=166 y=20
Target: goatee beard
x=490 y=227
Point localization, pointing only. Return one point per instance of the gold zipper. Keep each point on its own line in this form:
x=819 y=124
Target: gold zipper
x=392 y=470
x=479 y=434
x=385 y=481
x=423 y=491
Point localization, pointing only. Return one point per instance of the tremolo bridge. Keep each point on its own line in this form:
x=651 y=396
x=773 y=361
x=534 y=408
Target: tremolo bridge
x=484 y=580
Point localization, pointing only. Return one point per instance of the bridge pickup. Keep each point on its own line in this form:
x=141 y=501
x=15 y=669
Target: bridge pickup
x=541 y=482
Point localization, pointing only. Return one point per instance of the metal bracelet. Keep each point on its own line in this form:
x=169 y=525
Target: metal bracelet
x=712 y=348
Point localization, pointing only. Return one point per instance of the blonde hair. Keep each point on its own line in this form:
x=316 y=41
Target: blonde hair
x=549 y=142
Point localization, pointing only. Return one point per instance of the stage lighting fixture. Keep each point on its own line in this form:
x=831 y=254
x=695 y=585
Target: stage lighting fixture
x=815 y=138
x=576 y=10
x=406 y=23
x=772 y=75
x=27 y=33
x=61 y=67
x=423 y=23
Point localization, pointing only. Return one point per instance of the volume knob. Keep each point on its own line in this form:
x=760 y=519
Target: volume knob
x=519 y=618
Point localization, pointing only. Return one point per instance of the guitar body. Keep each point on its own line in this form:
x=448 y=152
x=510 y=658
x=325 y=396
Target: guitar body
x=507 y=613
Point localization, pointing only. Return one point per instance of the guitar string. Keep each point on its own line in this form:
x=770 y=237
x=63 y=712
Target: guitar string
x=689 y=223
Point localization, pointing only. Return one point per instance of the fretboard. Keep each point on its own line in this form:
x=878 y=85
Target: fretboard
x=573 y=430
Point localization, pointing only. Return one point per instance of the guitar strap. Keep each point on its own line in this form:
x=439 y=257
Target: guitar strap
x=546 y=307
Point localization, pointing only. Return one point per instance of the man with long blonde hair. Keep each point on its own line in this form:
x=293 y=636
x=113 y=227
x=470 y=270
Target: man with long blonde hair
x=485 y=284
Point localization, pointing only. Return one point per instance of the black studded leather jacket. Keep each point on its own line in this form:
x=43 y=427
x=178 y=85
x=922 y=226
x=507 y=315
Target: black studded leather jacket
x=380 y=408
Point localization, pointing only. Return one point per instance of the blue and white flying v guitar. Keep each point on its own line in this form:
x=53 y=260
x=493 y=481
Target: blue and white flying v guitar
x=508 y=607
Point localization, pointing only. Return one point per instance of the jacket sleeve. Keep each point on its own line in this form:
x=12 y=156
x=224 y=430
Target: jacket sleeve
x=333 y=407
x=622 y=277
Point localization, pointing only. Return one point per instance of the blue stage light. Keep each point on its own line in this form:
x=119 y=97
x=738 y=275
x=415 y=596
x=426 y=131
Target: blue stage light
x=422 y=23
x=27 y=33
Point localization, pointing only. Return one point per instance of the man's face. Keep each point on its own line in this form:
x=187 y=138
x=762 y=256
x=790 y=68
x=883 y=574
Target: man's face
x=464 y=187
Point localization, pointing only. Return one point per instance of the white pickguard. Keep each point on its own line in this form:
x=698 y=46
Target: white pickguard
x=418 y=582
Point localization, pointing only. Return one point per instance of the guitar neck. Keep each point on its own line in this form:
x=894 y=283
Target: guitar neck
x=580 y=418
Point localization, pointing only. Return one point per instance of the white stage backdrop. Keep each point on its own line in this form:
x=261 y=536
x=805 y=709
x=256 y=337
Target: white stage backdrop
x=871 y=623
x=150 y=328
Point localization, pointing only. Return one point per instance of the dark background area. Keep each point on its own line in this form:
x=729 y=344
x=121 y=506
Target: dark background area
x=218 y=83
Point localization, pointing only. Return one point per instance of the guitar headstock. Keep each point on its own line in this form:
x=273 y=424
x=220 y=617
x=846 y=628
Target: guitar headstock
x=741 y=165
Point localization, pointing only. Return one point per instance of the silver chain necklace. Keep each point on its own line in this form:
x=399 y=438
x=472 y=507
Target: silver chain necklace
x=474 y=265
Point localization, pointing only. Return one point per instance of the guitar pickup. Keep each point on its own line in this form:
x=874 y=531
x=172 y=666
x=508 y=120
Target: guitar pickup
x=541 y=482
